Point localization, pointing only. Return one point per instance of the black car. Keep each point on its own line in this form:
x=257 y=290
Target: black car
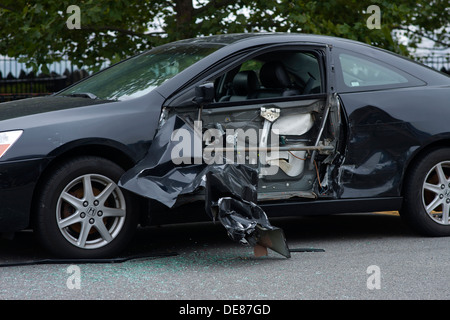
x=357 y=129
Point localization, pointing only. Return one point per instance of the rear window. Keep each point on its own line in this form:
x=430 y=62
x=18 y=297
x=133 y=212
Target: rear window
x=358 y=72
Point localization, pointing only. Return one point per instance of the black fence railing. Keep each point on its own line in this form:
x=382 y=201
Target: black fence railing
x=14 y=89
x=19 y=82
x=25 y=87
x=438 y=62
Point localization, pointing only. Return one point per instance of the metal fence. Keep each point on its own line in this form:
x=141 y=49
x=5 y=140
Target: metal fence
x=438 y=62
x=18 y=82
x=15 y=89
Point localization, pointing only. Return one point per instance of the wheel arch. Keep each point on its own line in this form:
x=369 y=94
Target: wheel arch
x=426 y=215
x=420 y=154
x=106 y=149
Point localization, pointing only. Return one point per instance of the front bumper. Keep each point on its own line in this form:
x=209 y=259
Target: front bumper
x=18 y=180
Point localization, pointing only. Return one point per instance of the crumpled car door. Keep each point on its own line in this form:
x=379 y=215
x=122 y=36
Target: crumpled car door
x=238 y=156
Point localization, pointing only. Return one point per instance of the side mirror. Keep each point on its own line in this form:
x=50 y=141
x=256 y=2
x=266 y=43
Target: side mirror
x=204 y=93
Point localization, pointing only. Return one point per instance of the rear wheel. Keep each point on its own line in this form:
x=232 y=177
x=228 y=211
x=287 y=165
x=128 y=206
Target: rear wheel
x=82 y=213
x=427 y=194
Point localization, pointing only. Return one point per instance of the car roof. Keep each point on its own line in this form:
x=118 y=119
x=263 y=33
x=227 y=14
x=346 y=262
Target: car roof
x=255 y=38
x=230 y=38
x=234 y=42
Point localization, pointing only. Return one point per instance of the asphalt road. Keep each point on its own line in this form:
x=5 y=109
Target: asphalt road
x=367 y=256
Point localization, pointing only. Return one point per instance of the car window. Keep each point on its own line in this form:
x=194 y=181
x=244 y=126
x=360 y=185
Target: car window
x=281 y=73
x=141 y=74
x=362 y=72
x=356 y=72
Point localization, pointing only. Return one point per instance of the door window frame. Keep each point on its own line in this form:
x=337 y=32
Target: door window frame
x=184 y=96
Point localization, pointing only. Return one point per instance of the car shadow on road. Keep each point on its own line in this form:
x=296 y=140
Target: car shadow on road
x=300 y=232
x=189 y=237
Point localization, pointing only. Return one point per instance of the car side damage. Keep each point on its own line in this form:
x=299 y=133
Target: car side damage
x=234 y=159
x=230 y=190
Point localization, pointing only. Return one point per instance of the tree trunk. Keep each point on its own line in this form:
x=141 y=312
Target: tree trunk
x=184 y=10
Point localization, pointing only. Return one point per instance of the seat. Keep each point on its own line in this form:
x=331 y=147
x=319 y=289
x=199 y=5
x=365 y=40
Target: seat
x=244 y=86
x=307 y=71
x=275 y=80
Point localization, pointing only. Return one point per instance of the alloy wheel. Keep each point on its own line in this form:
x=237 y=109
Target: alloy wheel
x=436 y=193
x=91 y=211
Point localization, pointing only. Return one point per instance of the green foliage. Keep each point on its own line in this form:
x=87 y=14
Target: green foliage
x=114 y=29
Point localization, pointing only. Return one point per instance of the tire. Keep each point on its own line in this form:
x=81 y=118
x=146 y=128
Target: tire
x=82 y=213
x=426 y=204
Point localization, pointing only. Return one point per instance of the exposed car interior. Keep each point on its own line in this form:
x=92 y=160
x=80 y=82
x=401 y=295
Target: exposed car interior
x=293 y=124
x=274 y=74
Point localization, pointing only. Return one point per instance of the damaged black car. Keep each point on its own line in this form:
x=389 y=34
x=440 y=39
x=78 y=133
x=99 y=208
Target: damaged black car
x=235 y=128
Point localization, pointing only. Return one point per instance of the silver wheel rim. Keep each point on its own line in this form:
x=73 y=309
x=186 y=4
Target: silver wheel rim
x=436 y=193
x=91 y=211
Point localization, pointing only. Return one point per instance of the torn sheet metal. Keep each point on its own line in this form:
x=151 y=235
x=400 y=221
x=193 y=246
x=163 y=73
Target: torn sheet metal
x=247 y=223
x=231 y=195
x=157 y=176
x=230 y=189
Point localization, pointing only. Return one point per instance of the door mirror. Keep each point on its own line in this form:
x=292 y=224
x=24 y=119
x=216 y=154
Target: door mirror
x=204 y=93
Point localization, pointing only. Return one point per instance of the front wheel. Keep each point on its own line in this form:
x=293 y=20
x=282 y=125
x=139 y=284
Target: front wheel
x=82 y=213
x=427 y=194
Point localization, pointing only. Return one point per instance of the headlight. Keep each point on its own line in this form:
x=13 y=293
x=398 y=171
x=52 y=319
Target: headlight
x=7 y=139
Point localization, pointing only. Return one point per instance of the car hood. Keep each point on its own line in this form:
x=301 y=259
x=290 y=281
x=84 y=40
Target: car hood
x=25 y=107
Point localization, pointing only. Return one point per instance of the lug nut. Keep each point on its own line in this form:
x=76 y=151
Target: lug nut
x=91 y=221
x=85 y=203
x=100 y=213
x=96 y=203
x=82 y=215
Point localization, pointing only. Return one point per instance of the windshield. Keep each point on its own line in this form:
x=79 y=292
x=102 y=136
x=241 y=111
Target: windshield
x=141 y=74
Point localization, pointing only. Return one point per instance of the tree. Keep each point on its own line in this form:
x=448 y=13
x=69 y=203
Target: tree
x=110 y=30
